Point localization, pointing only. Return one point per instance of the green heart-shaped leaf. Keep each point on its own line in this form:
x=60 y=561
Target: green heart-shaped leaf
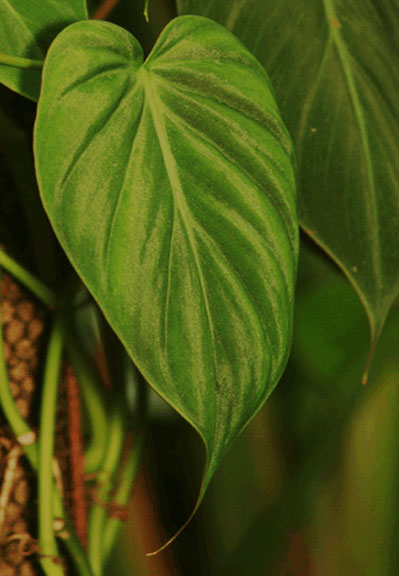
x=27 y=28
x=334 y=67
x=170 y=186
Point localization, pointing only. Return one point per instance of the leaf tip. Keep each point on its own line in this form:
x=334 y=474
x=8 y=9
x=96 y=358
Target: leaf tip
x=173 y=538
x=204 y=482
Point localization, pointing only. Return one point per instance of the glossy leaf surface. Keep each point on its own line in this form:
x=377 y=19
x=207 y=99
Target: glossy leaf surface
x=170 y=186
x=27 y=28
x=334 y=67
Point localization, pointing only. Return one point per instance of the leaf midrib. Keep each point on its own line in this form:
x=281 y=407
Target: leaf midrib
x=179 y=201
x=371 y=201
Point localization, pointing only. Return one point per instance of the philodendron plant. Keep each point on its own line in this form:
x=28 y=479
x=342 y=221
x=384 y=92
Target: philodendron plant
x=170 y=183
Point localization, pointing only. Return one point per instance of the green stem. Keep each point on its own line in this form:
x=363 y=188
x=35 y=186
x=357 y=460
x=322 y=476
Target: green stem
x=17 y=62
x=17 y=423
x=122 y=495
x=49 y=558
x=146 y=11
x=76 y=551
x=131 y=468
x=40 y=290
x=98 y=514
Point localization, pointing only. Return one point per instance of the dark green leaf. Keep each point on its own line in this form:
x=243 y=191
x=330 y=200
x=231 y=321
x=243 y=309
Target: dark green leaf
x=334 y=67
x=170 y=186
x=27 y=28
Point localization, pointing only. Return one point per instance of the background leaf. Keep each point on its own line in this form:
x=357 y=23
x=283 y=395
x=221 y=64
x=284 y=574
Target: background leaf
x=170 y=186
x=334 y=67
x=27 y=30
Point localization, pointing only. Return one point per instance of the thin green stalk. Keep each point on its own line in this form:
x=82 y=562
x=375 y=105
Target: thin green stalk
x=146 y=11
x=40 y=290
x=131 y=467
x=17 y=423
x=49 y=558
x=76 y=551
x=98 y=514
x=17 y=62
x=122 y=495
x=47 y=536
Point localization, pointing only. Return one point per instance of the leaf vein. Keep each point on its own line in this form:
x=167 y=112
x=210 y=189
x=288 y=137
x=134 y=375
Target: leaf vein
x=155 y=104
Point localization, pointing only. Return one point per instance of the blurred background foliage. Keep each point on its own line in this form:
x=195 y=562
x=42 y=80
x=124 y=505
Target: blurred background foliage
x=311 y=487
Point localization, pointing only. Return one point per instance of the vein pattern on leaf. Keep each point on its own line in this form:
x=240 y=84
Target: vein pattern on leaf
x=173 y=194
